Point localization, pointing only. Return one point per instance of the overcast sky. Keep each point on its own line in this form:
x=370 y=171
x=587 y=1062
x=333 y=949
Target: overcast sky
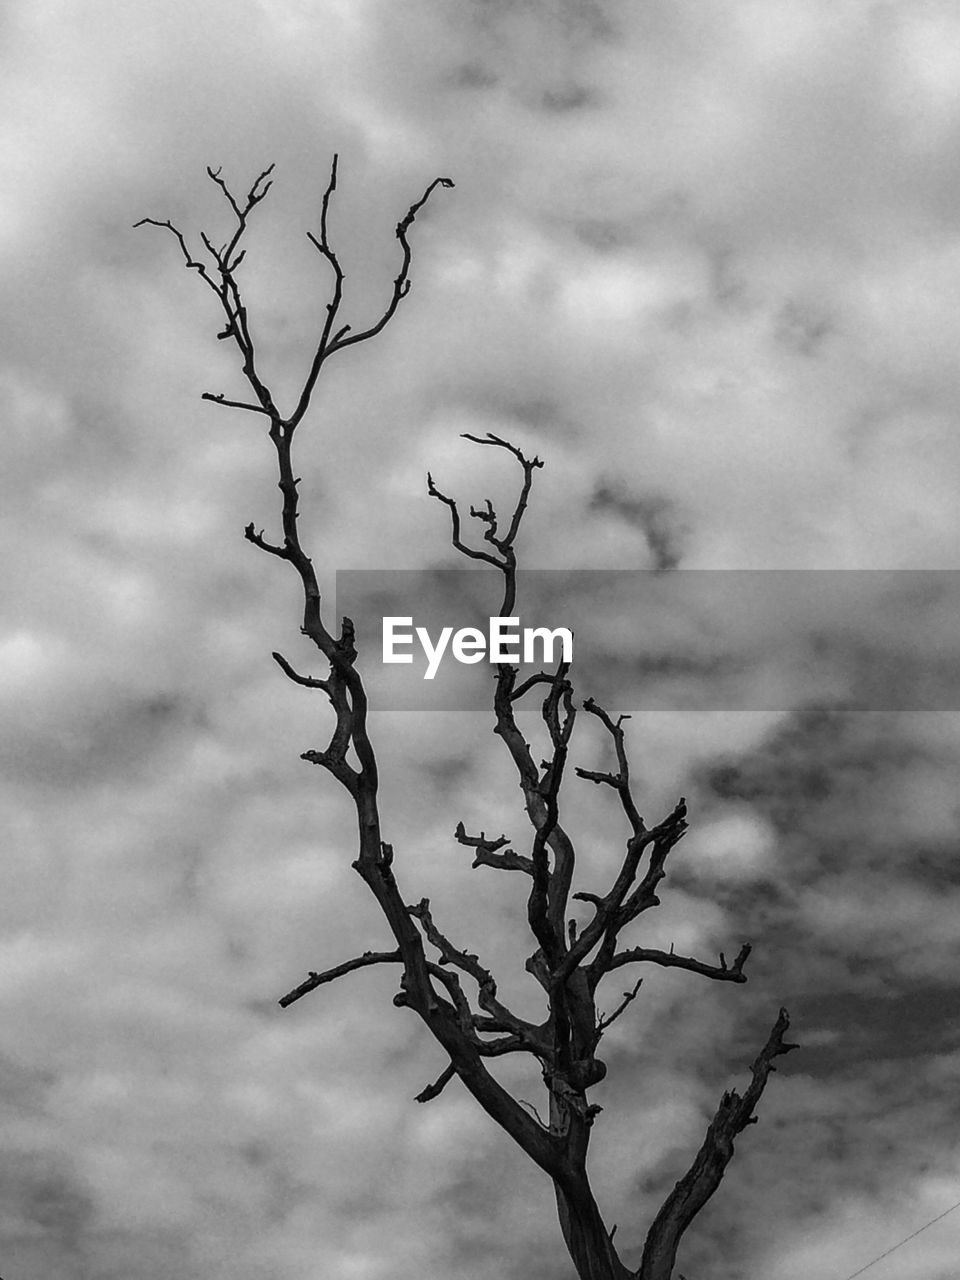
x=704 y=258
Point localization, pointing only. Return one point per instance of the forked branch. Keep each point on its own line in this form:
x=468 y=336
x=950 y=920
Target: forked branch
x=620 y=781
x=330 y=340
x=504 y=545
x=500 y=1019
x=218 y=271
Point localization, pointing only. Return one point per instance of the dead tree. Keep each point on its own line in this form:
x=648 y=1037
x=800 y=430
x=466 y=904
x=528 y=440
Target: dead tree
x=450 y=989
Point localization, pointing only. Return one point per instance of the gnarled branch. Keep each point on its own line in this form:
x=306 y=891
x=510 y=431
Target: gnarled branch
x=670 y=960
x=486 y=852
x=501 y=1018
x=506 y=561
x=701 y=1180
x=620 y=781
x=308 y=682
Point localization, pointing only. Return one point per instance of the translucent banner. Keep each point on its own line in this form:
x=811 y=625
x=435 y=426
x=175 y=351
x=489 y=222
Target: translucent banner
x=708 y=640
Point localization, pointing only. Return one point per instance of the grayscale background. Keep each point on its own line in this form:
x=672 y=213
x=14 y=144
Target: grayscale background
x=705 y=260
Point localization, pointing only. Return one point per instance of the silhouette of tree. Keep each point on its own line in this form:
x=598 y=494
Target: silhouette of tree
x=453 y=993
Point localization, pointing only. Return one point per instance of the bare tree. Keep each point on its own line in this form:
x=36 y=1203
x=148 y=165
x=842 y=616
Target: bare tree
x=450 y=989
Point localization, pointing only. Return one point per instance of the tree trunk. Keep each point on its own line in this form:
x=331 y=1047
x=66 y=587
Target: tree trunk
x=587 y=1239
x=658 y=1261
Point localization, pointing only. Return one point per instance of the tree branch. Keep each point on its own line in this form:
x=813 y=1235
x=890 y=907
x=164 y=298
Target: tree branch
x=486 y=854
x=329 y=975
x=628 y=999
x=565 y=1044
x=615 y=909
x=665 y=837
x=504 y=1019
x=546 y=905
x=703 y=1177
x=258 y=540
x=324 y=247
x=434 y=1090
x=256 y=193
x=226 y=260
x=330 y=342
x=539 y=677
x=529 y=466
x=233 y=404
x=401 y=285
x=194 y=264
x=669 y=960
x=309 y=682
x=548 y=895
x=457 y=540
x=506 y=562
x=620 y=781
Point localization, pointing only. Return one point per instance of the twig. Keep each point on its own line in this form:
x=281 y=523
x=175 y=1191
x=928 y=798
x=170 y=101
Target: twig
x=329 y=975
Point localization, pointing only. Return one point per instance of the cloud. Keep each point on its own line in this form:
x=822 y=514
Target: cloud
x=703 y=262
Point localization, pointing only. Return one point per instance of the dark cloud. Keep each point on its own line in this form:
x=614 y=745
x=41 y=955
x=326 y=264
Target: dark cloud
x=114 y=736
x=45 y=1201
x=803 y=328
x=571 y=98
x=653 y=514
x=602 y=236
x=473 y=75
x=701 y=260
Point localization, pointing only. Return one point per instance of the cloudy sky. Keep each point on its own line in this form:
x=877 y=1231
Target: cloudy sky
x=705 y=260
